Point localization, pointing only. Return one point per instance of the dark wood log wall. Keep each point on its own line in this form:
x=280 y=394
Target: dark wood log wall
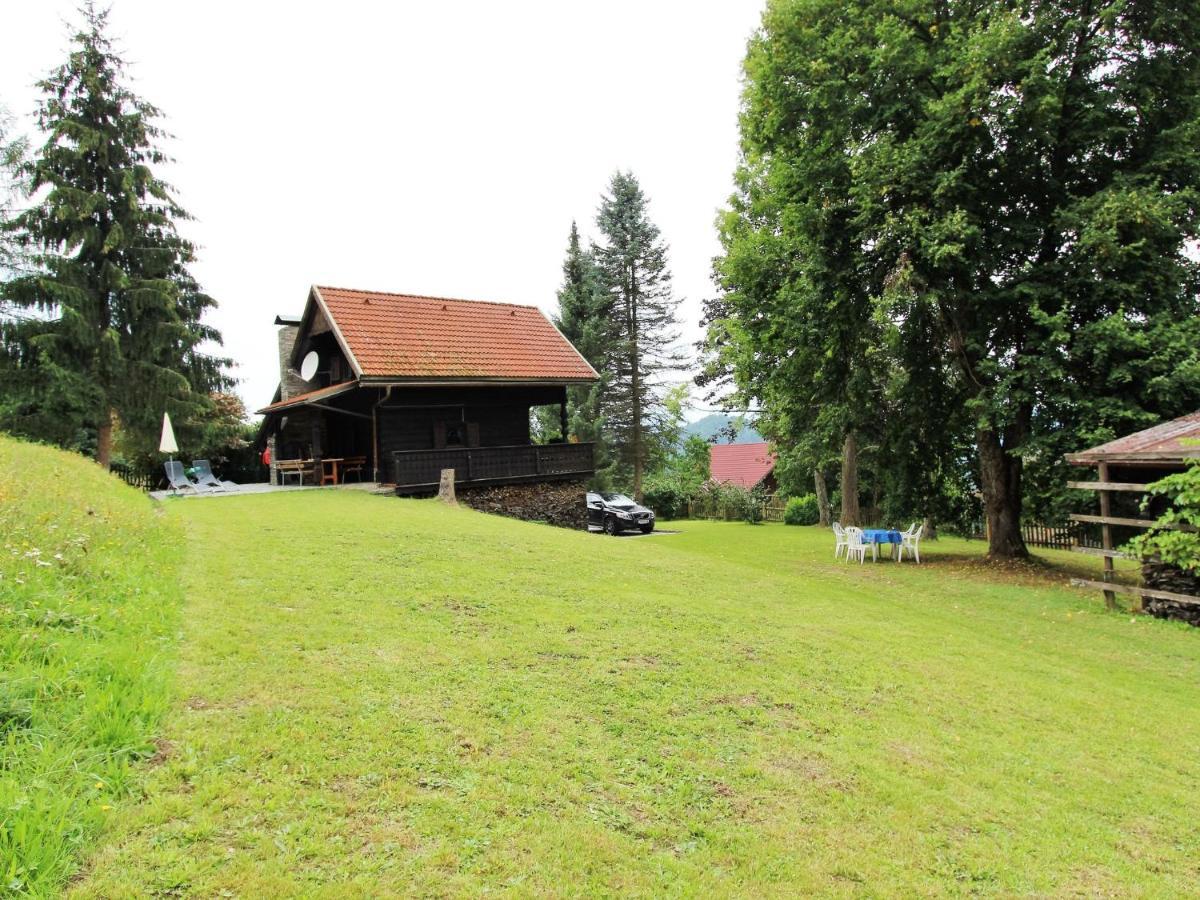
x=408 y=421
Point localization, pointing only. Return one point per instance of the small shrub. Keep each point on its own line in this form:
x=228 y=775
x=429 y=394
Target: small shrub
x=667 y=498
x=1165 y=543
x=743 y=504
x=802 y=511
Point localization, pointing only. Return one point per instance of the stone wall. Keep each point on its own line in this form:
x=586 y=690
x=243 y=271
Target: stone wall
x=561 y=503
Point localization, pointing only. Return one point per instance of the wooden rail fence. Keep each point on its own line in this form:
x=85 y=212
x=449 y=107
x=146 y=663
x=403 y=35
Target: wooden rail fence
x=1105 y=488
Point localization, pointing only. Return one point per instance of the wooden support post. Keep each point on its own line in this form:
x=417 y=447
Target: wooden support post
x=1106 y=541
x=375 y=444
x=562 y=417
x=446 y=487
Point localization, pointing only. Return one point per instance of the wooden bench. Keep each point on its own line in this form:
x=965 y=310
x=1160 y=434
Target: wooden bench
x=354 y=464
x=297 y=467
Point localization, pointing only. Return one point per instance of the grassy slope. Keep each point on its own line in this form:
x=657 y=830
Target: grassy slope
x=88 y=599
x=380 y=695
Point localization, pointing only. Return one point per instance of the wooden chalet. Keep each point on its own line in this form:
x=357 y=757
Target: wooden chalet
x=413 y=385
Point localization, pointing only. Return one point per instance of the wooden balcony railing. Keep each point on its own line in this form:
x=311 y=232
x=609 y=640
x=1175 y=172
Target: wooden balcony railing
x=415 y=470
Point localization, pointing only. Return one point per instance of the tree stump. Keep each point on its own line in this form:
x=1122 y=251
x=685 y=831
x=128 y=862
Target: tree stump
x=446 y=487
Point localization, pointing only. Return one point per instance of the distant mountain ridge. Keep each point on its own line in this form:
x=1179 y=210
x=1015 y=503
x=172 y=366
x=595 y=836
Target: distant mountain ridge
x=715 y=424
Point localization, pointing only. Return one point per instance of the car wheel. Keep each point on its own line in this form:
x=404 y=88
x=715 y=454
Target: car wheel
x=610 y=526
x=646 y=529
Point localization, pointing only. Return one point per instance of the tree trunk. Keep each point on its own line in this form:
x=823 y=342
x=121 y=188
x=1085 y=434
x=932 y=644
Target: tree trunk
x=822 y=498
x=104 y=434
x=446 y=487
x=929 y=531
x=1001 y=480
x=850 y=512
x=636 y=391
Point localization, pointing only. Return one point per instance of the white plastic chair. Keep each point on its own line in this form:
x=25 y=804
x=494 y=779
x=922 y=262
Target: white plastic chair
x=840 y=540
x=855 y=546
x=911 y=540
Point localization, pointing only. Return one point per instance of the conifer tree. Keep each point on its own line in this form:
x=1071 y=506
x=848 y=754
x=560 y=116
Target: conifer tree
x=12 y=189
x=633 y=266
x=117 y=330
x=583 y=318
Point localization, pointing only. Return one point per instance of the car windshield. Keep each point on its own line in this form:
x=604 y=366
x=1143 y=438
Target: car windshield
x=619 y=499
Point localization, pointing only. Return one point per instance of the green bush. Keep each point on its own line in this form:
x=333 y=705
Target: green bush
x=745 y=505
x=802 y=511
x=1166 y=542
x=668 y=498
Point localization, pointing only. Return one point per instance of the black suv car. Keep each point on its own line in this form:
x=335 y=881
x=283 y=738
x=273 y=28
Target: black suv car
x=616 y=513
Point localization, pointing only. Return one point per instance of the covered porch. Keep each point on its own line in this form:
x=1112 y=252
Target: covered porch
x=405 y=434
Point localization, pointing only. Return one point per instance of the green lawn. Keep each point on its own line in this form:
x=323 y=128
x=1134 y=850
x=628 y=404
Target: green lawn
x=89 y=603
x=378 y=696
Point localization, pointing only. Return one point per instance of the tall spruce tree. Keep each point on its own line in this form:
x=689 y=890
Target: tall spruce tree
x=12 y=191
x=643 y=330
x=584 y=319
x=117 y=331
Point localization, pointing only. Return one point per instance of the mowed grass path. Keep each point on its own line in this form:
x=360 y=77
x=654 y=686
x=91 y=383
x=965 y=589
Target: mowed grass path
x=379 y=696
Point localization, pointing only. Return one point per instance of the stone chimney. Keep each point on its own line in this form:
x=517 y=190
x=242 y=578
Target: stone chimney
x=290 y=383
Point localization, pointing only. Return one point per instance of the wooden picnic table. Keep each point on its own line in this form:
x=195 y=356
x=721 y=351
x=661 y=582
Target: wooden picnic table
x=329 y=469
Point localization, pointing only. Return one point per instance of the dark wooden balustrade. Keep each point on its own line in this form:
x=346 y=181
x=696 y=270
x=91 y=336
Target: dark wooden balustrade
x=419 y=470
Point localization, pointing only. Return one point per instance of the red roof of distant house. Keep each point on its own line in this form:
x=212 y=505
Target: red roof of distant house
x=742 y=464
x=405 y=336
x=1174 y=440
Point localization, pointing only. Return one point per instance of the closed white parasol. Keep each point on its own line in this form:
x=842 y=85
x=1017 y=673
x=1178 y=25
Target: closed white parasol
x=167 y=443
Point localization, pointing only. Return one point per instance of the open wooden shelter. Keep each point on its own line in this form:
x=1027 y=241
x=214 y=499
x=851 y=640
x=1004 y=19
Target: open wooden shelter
x=1124 y=469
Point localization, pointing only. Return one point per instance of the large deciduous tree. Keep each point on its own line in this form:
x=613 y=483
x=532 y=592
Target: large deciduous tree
x=632 y=261
x=1020 y=188
x=117 y=330
x=795 y=323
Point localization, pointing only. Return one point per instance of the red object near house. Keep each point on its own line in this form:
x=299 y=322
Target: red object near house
x=746 y=465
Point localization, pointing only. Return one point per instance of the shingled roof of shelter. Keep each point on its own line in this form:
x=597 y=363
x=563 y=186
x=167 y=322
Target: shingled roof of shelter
x=1171 y=441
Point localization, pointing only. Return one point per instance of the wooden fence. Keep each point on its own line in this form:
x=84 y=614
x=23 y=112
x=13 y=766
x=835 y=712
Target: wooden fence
x=772 y=510
x=134 y=478
x=1056 y=537
x=1052 y=537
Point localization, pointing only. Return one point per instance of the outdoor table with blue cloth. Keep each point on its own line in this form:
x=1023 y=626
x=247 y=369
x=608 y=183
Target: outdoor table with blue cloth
x=877 y=536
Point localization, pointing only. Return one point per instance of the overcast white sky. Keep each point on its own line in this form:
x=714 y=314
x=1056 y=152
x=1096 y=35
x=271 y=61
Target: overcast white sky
x=423 y=147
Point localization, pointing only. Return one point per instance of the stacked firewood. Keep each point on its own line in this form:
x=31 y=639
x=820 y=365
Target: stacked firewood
x=561 y=503
x=1163 y=577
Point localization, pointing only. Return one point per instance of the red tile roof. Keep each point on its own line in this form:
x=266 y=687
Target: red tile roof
x=1174 y=440
x=742 y=464
x=406 y=337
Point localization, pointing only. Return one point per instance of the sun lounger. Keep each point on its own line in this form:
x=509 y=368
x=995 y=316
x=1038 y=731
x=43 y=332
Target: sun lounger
x=177 y=478
x=204 y=475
